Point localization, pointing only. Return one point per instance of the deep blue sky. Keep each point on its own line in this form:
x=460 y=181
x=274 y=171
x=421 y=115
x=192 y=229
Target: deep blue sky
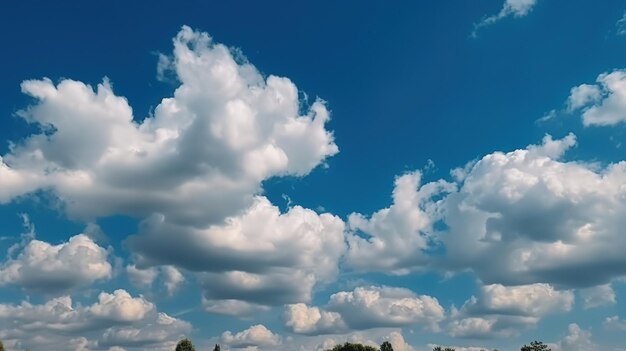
x=405 y=83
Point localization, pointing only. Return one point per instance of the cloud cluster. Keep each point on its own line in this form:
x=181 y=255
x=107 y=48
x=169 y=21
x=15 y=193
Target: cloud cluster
x=538 y=218
x=191 y=172
x=199 y=159
x=55 y=269
x=501 y=311
x=116 y=320
x=365 y=308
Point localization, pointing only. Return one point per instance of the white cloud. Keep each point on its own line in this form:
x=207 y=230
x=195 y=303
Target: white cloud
x=302 y=319
x=172 y=278
x=200 y=158
x=373 y=306
x=158 y=330
x=597 y=296
x=539 y=219
x=583 y=95
x=577 y=340
x=120 y=307
x=614 y=323
x=141 y=277
x=115 y=320
x=255 y=336
x=233 y=307
x=144 y=278
x=603 y=103
x=515 y=8
x=621 y=25
x=398 y=343
x=501 y=311
x=262 y=257
x=56 y=268
x=366 y=308
x=396 y=236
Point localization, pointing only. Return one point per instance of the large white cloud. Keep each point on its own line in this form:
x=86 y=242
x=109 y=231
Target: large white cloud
x=366 y=308
x=501 y=311
x=538 y=219
x=603 y=103
x=115 y=320
x=200 y=158
x=56 y=268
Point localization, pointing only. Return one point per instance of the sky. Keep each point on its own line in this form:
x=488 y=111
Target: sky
x=291 y=175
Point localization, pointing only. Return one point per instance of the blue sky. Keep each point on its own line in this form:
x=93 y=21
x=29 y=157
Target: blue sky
x=291 y=175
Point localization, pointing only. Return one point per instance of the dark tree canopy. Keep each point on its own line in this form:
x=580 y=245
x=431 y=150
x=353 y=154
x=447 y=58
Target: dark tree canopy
x=1 y=346
x=386 y=346
x=535 y=346
x=353 y=347
x=217 y=347
x=185 y=345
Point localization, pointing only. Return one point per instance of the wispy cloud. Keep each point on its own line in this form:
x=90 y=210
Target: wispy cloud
x=515 y=8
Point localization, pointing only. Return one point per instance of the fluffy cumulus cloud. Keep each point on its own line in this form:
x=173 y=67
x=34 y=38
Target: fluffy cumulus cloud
x=394 y=238
x=263 y=256
x=515 y=8
x=603 y=103
x=538 y=219
x=366 y=308
x=253 y=337
x=54 y=269
x=577 y=339
x=501 y=311
x=302 y=319
x=200 y=158
x=116 y=320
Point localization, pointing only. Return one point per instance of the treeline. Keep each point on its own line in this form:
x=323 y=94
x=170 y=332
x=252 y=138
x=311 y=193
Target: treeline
x=186 y=345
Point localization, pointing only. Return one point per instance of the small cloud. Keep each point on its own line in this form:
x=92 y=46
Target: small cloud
x=621 y=25
x=515 y=8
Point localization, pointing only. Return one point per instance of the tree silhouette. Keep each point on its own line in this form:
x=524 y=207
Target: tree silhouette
x=386 y=346
x=535 y=346
x=353 y=347
x=217 y=347
x=185 y=345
